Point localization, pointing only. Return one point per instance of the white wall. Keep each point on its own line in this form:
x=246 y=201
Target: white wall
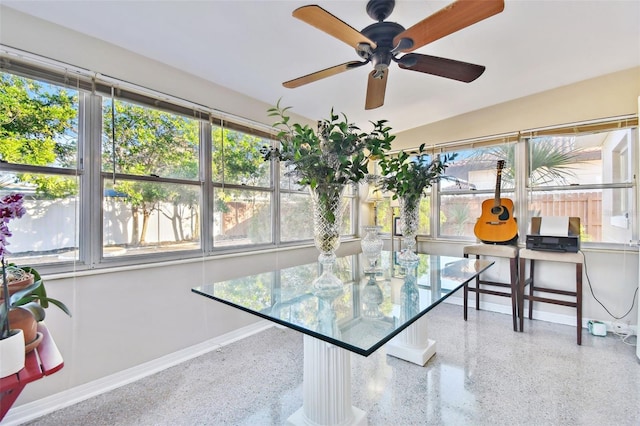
x=601 y=97
x=126 y=317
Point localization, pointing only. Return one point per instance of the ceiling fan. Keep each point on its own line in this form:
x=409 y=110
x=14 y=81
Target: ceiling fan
x=382 y=42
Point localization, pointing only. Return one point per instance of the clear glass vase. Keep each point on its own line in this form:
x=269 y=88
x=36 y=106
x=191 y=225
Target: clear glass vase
x=409 y=219
x=409 y=293
x=328 y=210
x=371 y=244
x=327 y=320
x=372 y=297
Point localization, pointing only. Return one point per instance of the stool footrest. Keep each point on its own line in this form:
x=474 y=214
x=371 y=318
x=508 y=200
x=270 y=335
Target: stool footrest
x=555 y=291
x=552 y=301
x=487 y=291
x=493 y=283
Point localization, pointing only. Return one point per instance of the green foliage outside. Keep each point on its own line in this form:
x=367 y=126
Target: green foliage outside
x=237 y=158
x=152 y=142
x=38 y=126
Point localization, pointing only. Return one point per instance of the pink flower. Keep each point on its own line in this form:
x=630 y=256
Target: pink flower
x=10 y=208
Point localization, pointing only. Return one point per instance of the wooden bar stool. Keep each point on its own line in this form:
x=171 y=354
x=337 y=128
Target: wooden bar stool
x=533 y=256
x=490 y=250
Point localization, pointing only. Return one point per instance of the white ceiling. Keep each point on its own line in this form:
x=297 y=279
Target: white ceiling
x=253 y=46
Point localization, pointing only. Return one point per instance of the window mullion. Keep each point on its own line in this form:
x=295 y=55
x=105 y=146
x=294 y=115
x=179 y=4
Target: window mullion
x=92 y=189
x=206 y=187
x=520 y=187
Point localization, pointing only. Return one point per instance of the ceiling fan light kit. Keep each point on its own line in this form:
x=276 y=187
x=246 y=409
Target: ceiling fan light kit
x=381 y=42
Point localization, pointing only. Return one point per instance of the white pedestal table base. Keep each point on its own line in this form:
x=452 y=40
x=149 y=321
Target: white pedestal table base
x=412 y=344
x=326 y=387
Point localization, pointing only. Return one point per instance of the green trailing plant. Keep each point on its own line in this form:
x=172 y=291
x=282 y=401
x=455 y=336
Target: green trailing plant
x=408 y=174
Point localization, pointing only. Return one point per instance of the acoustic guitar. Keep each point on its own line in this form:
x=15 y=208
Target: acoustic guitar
x=496 y=224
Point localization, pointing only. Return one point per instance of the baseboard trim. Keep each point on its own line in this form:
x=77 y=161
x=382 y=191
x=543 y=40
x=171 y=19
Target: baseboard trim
x=32 y=410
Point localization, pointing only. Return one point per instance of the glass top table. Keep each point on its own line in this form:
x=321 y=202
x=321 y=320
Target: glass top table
x=374 y=307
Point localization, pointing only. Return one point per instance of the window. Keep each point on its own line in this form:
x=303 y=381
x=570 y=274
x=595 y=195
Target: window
x=588 y=174
x=150 y=168
x=295 y=214
x=242 y=213
x=115 y=174
x=470 y=180
x=585 y=175
x=241 y=217
x=39 y=155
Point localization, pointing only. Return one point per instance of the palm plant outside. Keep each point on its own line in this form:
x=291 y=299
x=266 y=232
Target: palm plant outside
x=550 y=161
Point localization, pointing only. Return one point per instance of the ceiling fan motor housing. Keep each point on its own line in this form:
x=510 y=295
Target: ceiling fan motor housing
x=382 y=33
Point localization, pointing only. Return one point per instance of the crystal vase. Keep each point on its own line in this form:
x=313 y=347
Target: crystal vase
x=371 y=244
x=409 y=219
x=328 y=209
x=372 y=297
x=327 y=320
x=409 y=293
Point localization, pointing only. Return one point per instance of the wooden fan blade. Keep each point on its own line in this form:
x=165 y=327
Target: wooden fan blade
x=318 y=75
x=447 y=68
x=375 y=90
x=458 y=15
x=324 y=21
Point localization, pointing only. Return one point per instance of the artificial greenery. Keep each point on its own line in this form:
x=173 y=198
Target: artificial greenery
x=408 y=174
x=338 y=152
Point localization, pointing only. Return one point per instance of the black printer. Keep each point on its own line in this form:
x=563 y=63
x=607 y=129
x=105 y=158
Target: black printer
x=569 y=243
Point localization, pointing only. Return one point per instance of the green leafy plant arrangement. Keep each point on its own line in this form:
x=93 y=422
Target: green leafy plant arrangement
x=337 y=153
x=408 y=174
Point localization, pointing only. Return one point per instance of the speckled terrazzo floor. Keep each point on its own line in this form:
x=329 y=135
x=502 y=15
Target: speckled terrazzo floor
x=483 y=374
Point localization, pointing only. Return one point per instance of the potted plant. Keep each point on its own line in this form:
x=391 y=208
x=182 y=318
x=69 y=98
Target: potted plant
x=408 y=175
x=23 y=304
x=327 y=159
x=11 y=341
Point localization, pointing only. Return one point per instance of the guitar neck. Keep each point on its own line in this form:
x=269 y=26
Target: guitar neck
x=496 y=201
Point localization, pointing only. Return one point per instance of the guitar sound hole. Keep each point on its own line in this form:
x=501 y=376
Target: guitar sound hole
x=496 y=210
